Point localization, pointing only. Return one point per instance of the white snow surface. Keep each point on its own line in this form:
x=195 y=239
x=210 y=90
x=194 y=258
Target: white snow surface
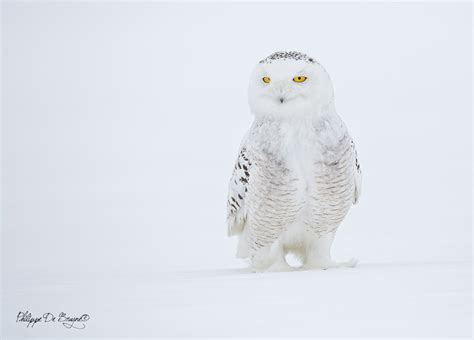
x=373 y=299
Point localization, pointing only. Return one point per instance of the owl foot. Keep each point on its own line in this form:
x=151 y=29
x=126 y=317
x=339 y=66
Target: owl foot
x=280 y=266
x=271 y=259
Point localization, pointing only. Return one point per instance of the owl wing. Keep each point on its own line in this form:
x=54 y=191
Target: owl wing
x=358 y=174
x=238 y=187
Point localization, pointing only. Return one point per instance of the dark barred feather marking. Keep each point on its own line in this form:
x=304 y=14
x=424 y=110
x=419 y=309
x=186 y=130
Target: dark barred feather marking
x=238 y=189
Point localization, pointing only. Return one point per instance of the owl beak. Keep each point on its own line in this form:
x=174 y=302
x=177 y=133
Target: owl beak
x=282 y=99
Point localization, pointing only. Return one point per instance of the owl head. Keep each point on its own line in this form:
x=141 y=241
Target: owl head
x=290 y=84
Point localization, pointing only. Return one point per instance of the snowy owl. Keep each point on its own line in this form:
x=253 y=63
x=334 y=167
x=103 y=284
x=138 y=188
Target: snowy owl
x=297 y=172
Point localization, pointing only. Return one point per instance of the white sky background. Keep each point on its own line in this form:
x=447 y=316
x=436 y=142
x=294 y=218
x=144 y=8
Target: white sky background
x=121 y=124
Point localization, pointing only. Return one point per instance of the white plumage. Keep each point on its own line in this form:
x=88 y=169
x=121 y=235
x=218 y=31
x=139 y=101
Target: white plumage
x=297 y=172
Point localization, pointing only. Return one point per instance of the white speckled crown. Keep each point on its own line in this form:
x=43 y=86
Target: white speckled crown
x=294 y=55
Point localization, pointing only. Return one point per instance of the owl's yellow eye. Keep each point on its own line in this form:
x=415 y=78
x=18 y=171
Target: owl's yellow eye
x=266 y=80
x=299 y=79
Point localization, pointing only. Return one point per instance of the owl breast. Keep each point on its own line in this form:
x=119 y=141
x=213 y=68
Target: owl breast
x=301 y=188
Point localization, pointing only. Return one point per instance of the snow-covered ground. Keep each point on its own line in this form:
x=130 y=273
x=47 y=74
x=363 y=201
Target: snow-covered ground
x=383 y=299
